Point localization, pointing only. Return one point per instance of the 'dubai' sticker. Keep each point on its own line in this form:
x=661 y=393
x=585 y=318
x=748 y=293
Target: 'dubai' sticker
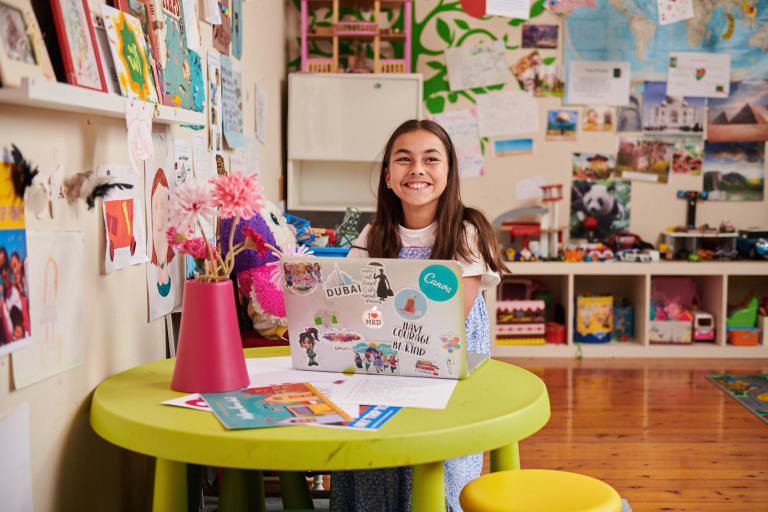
x=373 y=318
x=438 y=282
x=340 y=284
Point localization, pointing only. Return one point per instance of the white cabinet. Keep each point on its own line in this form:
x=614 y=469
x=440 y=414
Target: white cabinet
x=338 y=125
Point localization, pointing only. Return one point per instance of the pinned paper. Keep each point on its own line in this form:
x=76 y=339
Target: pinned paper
x=562 y=124
x=236 y=162
x=138 y=121
x=477 y=65
x=529 y=188
x=16 y=469
x=182 y=162
x=261 y=113
x=252 y=156
x=56 y=301
x=237 y=28
x=696 y=74
x=461 y=125
x=125 y=242
x=520 y=9
x=232 y=102
x=512 y=147
x=191 y=29
x=215 y=125
x=598 y=83
x=200 y=156
x=507 y=113
x=566 y=6
x=671 y=11
x=222 y=33
x=664 y=113
x=211 y=12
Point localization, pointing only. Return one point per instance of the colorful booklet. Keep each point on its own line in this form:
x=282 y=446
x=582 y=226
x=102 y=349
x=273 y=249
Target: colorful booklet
x=278 y=405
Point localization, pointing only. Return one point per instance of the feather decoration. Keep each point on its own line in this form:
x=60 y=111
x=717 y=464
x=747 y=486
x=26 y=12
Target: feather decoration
x=22 y=173
x=89 y=186
x=101 y=190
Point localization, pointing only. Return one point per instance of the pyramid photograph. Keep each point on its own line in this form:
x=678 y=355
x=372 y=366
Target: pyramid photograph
x=743 y=116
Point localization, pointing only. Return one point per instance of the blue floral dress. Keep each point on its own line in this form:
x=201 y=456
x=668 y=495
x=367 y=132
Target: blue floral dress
x=389 y=489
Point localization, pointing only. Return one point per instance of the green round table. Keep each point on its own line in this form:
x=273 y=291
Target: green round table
x=496 y=407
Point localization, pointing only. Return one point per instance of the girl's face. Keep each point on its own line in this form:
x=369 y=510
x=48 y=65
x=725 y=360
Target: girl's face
x=15 y=266
x=418 y=169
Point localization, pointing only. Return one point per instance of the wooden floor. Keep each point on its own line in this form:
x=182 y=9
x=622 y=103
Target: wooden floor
x=656 y=430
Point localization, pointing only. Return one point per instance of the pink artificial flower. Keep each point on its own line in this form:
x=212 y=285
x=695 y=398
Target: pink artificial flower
x=190 y=201
x=257 y=242
x=197 y=248
x=176 y=238
x=237 y=195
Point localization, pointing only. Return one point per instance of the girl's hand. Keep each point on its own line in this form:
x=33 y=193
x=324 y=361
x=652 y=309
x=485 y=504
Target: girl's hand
x=471 y=288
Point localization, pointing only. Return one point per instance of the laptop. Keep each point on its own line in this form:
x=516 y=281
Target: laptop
x=377 y=316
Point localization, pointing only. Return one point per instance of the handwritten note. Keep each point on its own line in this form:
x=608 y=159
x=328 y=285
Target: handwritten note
x=507 y=112
x=232 y=102
x=461 y=125
x=477 y=65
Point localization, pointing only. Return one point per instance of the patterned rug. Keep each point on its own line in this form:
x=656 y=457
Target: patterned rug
x=751 y=391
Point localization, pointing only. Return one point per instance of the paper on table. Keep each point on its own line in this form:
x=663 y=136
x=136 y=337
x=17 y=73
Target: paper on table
x=520 y=9
x=598 y=83
x=396 y=391
x=696 y=74
x=671 y=11
x=507 y=112
x=138 y=122
x=191 y=29
x=477 y=65
x=461 y=125
x=193 y=401
x=16 y=469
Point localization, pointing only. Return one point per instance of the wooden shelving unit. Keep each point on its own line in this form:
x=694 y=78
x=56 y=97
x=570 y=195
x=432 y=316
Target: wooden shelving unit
x=42 y=94
x=356 y=30
x=719 y=282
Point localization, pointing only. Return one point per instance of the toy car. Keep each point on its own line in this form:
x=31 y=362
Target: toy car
x=598 y=252
x=626 y=240
x=751 y=246
x=524 y=254
x=703 y=326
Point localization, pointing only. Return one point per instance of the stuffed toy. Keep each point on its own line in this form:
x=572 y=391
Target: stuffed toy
x=258 y=276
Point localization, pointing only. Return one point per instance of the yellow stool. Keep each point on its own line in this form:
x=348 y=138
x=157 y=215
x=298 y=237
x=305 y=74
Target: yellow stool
x=538 y=490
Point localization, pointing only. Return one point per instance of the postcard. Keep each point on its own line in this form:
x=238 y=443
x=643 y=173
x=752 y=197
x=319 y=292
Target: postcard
x=644 y=159
x=598 y=118
x=742 y=116
x=548 y=81
x=608 y=202
x=562 y=124
x=696 y=74
x=593 y=166
x=666 y=113
x=598 y=83
x=734 y=171
x=512 y=147
x=525 y=70
x=630 y=119
x=540 y=36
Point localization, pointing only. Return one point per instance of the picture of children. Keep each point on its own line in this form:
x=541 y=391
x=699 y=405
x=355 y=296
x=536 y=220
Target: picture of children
x=15 y=296
x=307 y=340
x=162 y=252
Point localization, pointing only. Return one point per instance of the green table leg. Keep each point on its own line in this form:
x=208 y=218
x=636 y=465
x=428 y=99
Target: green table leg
x=254 y=481
x=170 y=493
x=232 y=496
x=505 y=458
x=293 y=487
x=428 y=493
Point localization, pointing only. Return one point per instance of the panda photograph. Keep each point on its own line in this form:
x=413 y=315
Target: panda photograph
x=607 y=202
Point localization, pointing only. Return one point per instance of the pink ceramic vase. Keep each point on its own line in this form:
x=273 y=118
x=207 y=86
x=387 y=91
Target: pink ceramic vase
x=210 y=357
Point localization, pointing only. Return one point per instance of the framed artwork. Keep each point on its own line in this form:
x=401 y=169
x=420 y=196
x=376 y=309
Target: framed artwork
x=78 y=44
x=143 y=11
x=129 y=51
x=105 y=54
x=22 y=50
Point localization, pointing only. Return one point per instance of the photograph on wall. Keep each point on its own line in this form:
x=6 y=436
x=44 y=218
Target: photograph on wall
x=644 y=159
x=607 y=202
x=512 y=147
x=56 y=301
x=15 y=331
x=671 y=114
x=598 y=118
x=593 y=166
x=562 y=124
x=687 y=153
x=164 y=269
x=125 y=239
x=548 y=81
x=630 y=118
x=742 y=116
x=539 y=36
x=734 y=171
x=525 y=70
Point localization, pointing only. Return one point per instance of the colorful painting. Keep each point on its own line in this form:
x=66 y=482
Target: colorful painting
x=593 y=166
x=215 y=129
x=608 y=202
x=734 y=171
x=56 y=300
x=177 y=75
x=562 y=124
x=15 y=330
x=512 y=147
x=78 y=46
x=671 y=114
x=13 y=35
x=540 y=36
x=222 y=33
x=644 y=159
x=237 y=28
x=125 y=238
x=743 y=116
x=598 y=118
x=142 y=10
x=198 y=86
x=129 y=52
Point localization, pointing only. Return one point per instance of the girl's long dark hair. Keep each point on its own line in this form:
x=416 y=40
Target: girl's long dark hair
x=383 y=238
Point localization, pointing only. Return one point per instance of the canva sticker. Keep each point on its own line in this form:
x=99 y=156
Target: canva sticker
x=340 y=284
x=302 y=278
x=376 y=287
x=410 y=304
x=376 y=358
x=438 y=282
x=373 y=318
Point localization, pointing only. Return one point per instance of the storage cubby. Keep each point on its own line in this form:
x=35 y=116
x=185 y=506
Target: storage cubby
x=631 y=287
x=739 y=289
x=709 y=295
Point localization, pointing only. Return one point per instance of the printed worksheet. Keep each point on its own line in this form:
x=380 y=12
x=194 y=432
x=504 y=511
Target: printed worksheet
x=696 y=74
x=598 y=83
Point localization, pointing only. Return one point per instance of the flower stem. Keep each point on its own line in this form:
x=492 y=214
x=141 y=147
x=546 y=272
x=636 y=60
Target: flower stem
x=230 y=264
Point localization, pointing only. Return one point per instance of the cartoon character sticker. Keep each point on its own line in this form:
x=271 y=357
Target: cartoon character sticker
x=375 y=358
x=410 y=304
x=376 y=287
x=302 y=278
x=308 y=340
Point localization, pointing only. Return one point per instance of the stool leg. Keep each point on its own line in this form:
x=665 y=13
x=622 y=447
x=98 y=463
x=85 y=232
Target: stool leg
x=428 y=493
x=170 y=486
x=255 y=491
x=293 y=487
x=505 y=458
x=232 y=497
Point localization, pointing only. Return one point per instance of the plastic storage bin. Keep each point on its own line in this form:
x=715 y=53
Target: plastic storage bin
x=744 y=337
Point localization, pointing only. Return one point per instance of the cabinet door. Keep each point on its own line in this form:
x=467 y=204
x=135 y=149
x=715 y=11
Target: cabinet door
x=348 y=117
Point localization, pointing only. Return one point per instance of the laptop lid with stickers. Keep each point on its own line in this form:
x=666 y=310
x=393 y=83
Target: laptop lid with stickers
x=377 y=316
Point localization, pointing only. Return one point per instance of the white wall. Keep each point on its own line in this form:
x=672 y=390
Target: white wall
x=73 y=468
